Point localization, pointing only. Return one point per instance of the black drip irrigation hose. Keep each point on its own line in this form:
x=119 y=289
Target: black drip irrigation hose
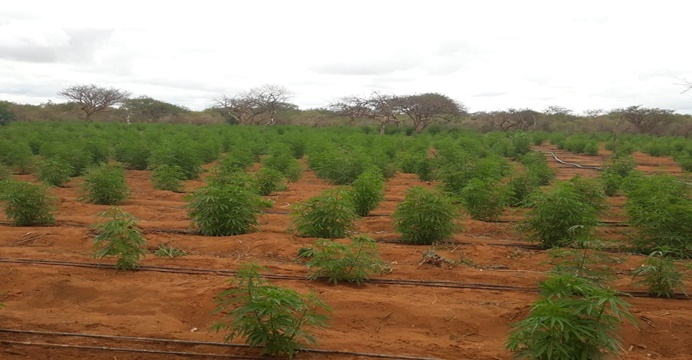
x=184 y=342
x=381 y=281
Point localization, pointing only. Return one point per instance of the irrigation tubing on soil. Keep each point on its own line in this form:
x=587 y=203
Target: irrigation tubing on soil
x=573 y=164
x=381 y=281
x=179 y=342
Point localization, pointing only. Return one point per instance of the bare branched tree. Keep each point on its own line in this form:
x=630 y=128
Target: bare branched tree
x=379 y=107
x=93 y=99
x=427 y=109
x=508 y=120
x=255 y=105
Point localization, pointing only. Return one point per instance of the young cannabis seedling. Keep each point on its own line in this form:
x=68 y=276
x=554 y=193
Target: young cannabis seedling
x=660 y=275
x=119 y=236
x=574 y=319
x=268 y=316
x=584 y=259
x=336 y=262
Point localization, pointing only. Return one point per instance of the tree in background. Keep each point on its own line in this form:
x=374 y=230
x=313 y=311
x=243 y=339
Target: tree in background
x=93 y=99
x=429 y=108
x=6 y=115
x=147 y=109
x=646 y=120
x=507 y=120
x=255 y=105
x=379 y=107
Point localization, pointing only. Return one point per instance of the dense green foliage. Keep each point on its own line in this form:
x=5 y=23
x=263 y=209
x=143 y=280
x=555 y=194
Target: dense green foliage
x=54 y=172
x=484 y=200
x=269 y=180
x=223 y=210
x=328 y=215
x=425 y=216
x=268 y=316
x=168 y=177
x=574 y=319
x=660 y=208
x=559 y=216
x=367 y=191
x=27 y=204
x=105 y=185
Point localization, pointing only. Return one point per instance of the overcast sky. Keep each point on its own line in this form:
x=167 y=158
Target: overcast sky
x=489 y=55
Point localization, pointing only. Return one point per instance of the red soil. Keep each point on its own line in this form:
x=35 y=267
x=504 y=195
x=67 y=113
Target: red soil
x=392 y=319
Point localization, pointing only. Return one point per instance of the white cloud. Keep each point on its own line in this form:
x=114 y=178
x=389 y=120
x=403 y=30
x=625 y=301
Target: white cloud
x=489 y=55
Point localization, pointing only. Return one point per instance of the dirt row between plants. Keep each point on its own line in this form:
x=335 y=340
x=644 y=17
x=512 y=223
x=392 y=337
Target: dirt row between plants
x=418 y=321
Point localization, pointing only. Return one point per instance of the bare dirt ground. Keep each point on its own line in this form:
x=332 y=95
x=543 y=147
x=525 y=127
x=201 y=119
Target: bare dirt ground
x=421 y=321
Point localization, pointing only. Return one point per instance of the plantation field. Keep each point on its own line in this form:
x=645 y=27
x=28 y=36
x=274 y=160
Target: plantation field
x=459 y=308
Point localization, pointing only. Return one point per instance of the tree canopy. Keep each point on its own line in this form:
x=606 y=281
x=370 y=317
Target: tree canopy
x=93 y=99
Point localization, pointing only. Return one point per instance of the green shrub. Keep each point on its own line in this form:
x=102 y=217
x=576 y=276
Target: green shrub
x=559 y=216
x=620 y=165
x=591 y=191
x=591 y=149
x=484 y=199
x=610 y=182
x=54 y=172
x=283 y=161
x=614 y=171
x=368 y=191
x=425 y=216
x=685 y=162
x=74 y=154
x=27 y=204
x=268 y=316
x=134 y=154
x=537 y=166
x=519 y=187
x=336 y=262
x=223 y=176
x=328 y=215
x=5 y=173
x=167 y=177
x=105 y=185
x=240 y=157
x=182 y=154
x=660 y=275
x=425 y=169
x=574 y=319
x=224 y=210
x=269 y=180
x=17 y=155
x=121 y=237
x=660 y=208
